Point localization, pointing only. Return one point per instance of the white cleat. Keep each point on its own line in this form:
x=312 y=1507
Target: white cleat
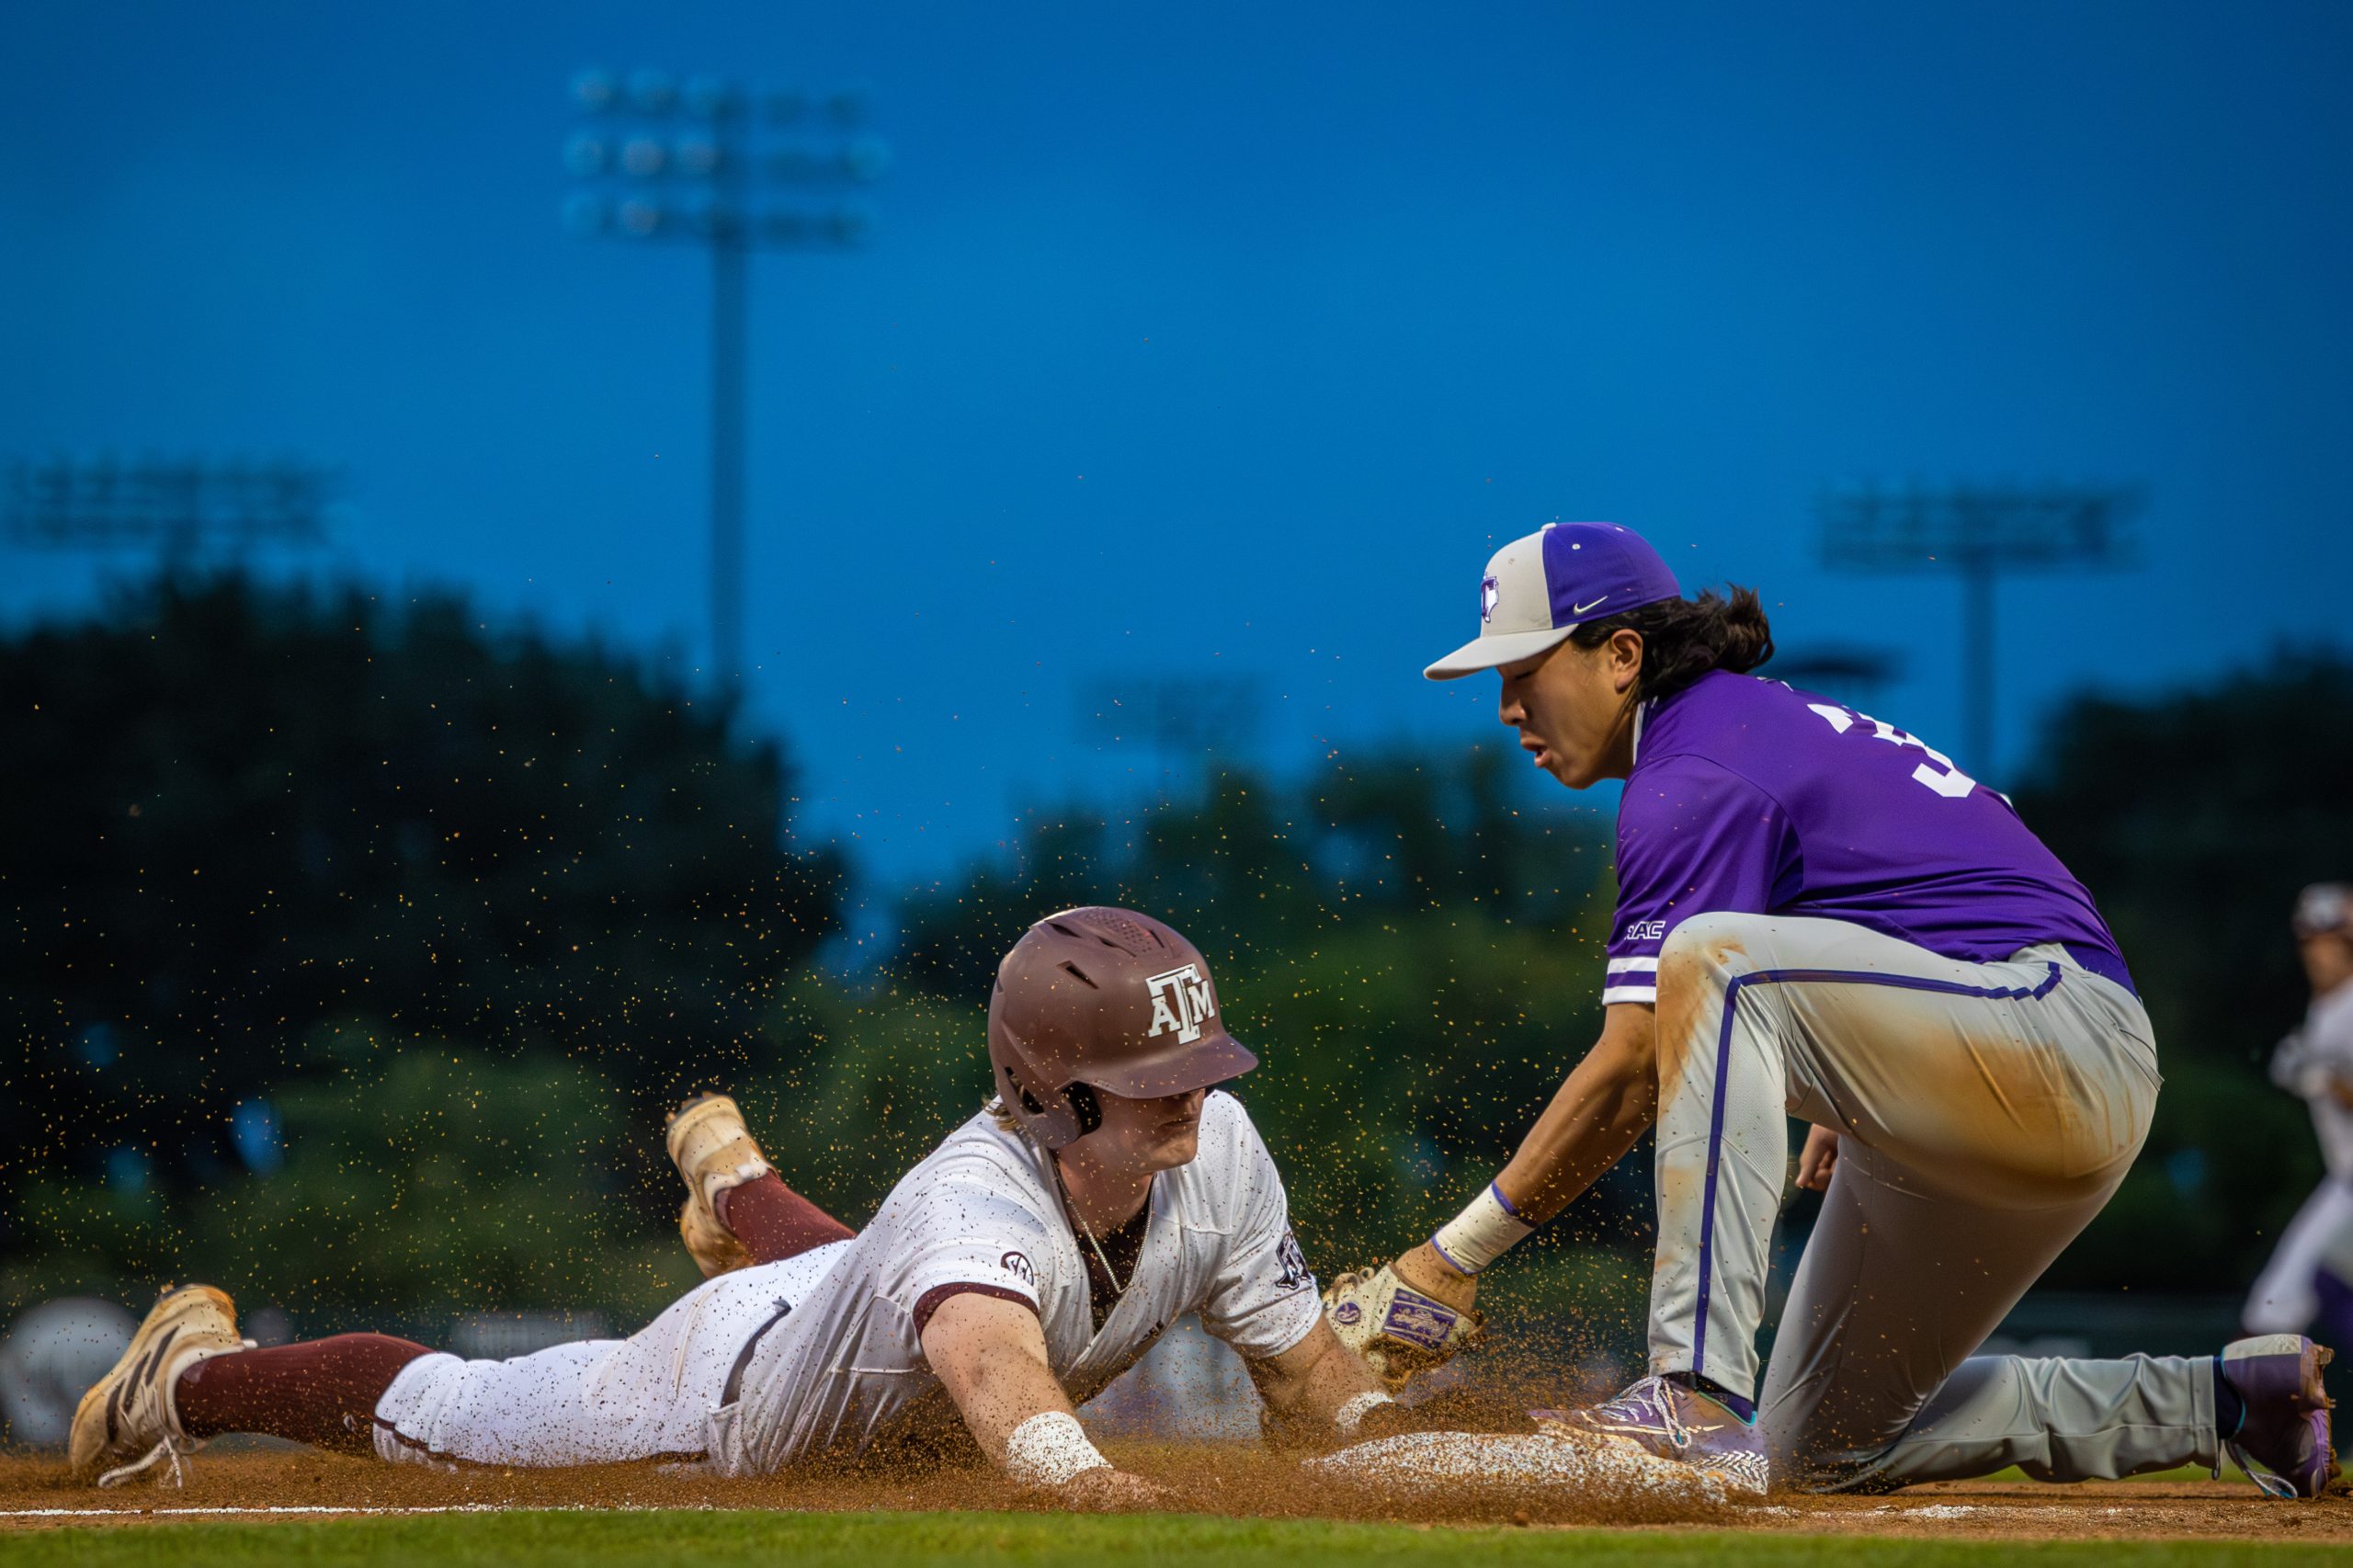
x=127 y=1424
x=714 y=1151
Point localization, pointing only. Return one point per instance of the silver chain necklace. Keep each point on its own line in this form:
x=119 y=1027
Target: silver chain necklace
x=1070 y=1206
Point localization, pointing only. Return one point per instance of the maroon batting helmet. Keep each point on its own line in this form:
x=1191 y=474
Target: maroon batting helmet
x=1100 y=998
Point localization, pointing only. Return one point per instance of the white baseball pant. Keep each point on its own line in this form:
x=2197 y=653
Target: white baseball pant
x=650 y=1396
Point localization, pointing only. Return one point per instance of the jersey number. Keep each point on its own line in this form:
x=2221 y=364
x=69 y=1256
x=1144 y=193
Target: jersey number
x=1937 y=772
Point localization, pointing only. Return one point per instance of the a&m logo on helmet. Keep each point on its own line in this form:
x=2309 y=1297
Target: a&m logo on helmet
x=1181 y=1000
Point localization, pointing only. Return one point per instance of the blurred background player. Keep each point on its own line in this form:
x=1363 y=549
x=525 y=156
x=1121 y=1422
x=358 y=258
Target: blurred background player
x=1030 y=1259
x=1821 y=915
x=2306 y=1281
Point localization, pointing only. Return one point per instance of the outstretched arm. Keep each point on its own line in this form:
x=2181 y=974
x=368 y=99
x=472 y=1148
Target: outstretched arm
x=1320 y=1391
x=990 y=1354
x=1610 y=1099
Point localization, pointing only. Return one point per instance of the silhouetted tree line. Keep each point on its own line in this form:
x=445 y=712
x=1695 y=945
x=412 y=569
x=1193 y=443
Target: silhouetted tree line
x=463 y=910
x=238 y=818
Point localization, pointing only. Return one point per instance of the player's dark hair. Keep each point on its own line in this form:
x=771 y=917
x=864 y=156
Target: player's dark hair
x=1685 y=639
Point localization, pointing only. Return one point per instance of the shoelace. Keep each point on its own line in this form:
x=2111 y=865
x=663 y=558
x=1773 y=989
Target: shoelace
x=2270 y=1484
x=1640 y=1403
x=170 y=1448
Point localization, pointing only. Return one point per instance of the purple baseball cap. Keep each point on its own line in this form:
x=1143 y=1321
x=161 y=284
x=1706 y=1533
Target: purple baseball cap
x=1540 y=588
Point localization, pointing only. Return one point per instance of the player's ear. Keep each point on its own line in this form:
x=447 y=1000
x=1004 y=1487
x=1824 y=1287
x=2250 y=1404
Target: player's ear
x=1625 y=658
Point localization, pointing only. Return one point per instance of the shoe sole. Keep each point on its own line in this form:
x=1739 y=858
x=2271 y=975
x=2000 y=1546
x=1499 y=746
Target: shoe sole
x=687 y=1121
x=171 y=1308
x=2313 y=1394
x=2310 y=1395
x=692 y=1112
x=690 y=1124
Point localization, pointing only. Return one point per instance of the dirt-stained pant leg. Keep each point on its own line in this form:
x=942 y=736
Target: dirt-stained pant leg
x=1989 y=1110
x=1866 y=1390
x=1720 y=1154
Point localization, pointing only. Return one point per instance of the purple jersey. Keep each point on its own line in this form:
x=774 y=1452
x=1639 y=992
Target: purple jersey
x=1751 y=797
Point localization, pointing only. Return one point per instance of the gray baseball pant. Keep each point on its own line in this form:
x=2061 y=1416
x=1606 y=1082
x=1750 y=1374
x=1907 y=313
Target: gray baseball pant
x=1986 y=1112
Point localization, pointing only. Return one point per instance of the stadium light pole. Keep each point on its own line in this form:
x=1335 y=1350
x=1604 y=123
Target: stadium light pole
x=704 y=162
x=1980 y=531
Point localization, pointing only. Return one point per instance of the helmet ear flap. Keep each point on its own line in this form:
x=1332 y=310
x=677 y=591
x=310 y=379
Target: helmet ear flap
x=1021 y=1093
x=1088 y=1108
x=1054 y=1120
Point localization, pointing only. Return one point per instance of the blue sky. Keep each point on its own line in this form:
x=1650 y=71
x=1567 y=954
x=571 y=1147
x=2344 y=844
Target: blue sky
x=1221 y=339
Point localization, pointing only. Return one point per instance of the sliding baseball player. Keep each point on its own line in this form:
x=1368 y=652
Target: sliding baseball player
x=1036 y=1255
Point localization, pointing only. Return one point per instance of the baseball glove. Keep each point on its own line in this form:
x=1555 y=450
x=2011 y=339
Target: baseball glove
x=1399 y=1332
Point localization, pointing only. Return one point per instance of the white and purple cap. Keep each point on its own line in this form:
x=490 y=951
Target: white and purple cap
x=1540 y=588
x=2323 y=908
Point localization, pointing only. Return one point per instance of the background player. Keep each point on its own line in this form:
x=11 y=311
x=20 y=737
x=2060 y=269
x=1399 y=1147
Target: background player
x=1035 y=1256
x=1819 y=915
x=2306 y=1280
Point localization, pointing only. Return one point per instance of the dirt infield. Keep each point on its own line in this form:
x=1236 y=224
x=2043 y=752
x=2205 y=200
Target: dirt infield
x=1236 y=1480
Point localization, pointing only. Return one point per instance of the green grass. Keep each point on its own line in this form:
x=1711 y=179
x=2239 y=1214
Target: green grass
x=886 y=1541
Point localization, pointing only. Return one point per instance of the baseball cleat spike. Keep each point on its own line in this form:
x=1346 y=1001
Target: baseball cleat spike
x=2283 y=1436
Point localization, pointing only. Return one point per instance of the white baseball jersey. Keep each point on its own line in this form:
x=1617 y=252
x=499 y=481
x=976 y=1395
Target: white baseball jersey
x=847 y=1365
x=2306 y=1062
x=822 y=1352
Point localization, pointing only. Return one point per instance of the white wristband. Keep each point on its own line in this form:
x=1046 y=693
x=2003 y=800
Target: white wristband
x=1482 y=1233
x=1356 y=1407
x=1049 y=1448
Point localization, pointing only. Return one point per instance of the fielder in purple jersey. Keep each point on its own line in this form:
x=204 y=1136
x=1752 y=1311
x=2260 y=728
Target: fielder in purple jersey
x=1746 y=795
x=1821 y=915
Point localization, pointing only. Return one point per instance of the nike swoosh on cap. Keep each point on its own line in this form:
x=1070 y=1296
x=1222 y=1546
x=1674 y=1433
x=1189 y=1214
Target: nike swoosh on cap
x=1580 y=610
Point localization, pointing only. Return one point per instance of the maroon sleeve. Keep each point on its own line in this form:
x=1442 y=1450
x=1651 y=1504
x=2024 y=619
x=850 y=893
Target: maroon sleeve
x=929 y=1302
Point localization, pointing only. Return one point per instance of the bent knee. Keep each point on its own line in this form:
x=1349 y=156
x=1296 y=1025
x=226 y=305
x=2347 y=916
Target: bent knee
x=1817 y=1456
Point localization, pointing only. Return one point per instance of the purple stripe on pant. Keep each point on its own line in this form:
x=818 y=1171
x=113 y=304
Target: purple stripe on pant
x=1723 y=1067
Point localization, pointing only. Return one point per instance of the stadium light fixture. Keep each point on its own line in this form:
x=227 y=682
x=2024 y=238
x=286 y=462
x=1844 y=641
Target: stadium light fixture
x=177 y=507
x=1981 y=531
x=733 y=169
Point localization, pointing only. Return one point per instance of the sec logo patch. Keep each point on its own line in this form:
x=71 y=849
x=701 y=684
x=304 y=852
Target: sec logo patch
x=1018 y=1264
